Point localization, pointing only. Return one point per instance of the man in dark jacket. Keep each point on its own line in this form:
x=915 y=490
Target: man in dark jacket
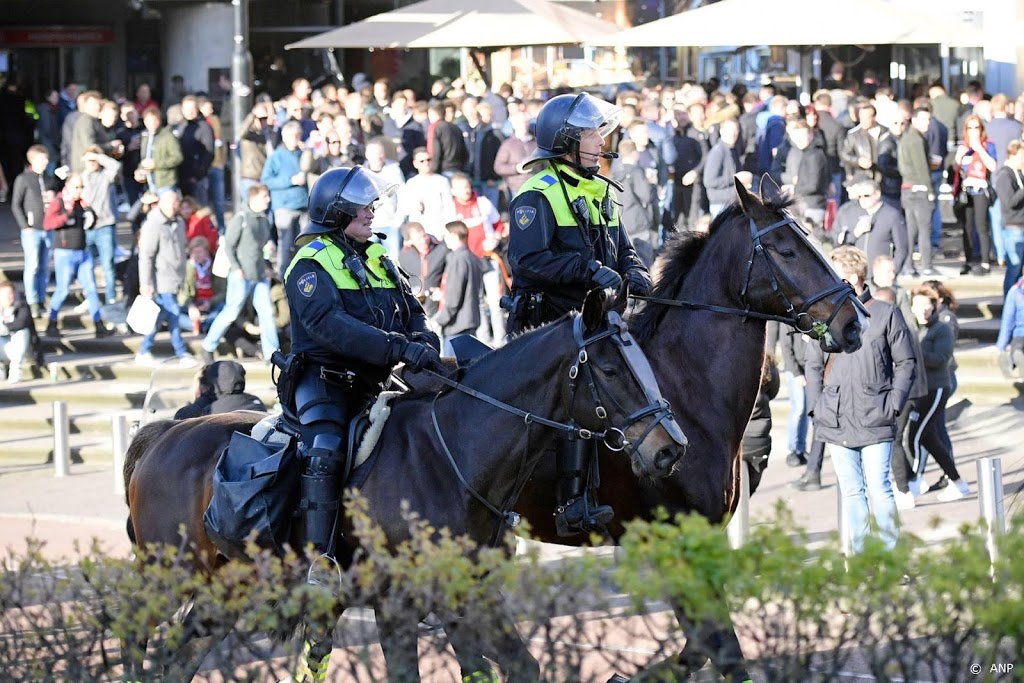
x=1009 y=183
x=197 y=147
x=722 y=166
x=639 y=200
x=422 y=259
x=220 y=388
x=917 y=196
x=874 y=226
x=461 y=287
x=32 y=194
x=805 y=171
x=855 y=399
x=18 y=337
x=860 y=149
x=447 y=147
x=834 y=134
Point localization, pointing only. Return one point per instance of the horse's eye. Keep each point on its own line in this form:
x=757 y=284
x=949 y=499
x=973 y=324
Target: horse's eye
x=787 y=253
x=610 y=370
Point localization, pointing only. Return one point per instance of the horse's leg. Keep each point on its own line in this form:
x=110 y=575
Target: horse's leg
x=712 y=640
x=499 y=641
x=133 y=657
x=399 y=639
x=198 y=640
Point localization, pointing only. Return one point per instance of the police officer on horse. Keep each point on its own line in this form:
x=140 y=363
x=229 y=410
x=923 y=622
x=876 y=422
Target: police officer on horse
x=353 y=318
x=566 y=241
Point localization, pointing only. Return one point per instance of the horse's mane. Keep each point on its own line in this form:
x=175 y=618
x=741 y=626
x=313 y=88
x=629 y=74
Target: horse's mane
x=680 y=253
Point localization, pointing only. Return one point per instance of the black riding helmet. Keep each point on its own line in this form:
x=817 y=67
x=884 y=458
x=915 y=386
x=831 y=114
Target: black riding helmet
x=338 y=195
x=562 y=122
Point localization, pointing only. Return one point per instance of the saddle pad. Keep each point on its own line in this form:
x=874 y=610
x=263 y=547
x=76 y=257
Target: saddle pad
x=380 y=411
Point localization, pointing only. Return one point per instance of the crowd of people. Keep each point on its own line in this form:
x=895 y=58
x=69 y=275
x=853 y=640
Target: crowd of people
x=866 y=171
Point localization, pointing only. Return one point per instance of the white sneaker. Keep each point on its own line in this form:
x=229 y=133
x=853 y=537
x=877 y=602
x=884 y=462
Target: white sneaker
x=955 y=491
x=918 y=486
x=904 y=501
x=187 y=361
x=14 y=376
x=82 y=308
x=145 y=359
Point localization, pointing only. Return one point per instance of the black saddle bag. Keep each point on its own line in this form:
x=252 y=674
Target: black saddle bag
x=255 y=490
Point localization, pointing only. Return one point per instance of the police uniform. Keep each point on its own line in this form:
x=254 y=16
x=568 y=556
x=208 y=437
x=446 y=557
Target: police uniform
x=562 y=223
x=353 y=318
x=565 y=240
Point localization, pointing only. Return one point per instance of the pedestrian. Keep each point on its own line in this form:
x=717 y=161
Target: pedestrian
x=975 y=160
x=162 y=268
x=247 y=232
x=220 y=388
x=1009 y=185
x=289 y=194
x=16 y=332
x=855 y=399
x=197 y=150
x=67 y=217
x=100 y=178
x=32 y=195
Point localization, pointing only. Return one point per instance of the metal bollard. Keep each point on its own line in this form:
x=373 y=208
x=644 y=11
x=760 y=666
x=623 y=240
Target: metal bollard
x=739 y=526
x=61 y=448
x=990 y=499
x=119 y=430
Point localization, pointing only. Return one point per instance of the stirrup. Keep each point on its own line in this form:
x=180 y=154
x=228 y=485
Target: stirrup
x=320 y=572
x=593 y=517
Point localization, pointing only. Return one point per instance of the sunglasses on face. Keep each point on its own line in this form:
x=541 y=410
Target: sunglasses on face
x=422 y=160
x=334 y=142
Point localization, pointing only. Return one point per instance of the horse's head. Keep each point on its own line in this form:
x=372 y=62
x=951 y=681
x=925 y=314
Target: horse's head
x=789 y=276
x=615 y=392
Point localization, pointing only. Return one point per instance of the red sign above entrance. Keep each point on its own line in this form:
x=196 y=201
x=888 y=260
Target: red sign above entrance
x=55 y=36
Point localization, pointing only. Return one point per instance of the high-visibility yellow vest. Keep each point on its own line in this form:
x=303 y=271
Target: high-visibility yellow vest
x=546 y=182
x=332 y=259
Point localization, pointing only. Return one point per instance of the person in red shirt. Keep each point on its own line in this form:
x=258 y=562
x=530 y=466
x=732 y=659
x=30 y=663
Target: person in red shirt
x=486 y=230
x=143 y=99
x=198 y=223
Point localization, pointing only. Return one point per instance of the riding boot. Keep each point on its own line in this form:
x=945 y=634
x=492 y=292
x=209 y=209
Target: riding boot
x=321 y=492
x=577 y=512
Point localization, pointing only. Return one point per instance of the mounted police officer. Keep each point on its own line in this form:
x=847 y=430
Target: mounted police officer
x=567 y=240
x=353 y=319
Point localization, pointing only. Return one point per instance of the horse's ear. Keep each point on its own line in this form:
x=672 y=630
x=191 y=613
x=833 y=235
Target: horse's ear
x=771 y=193
x=747 y=200
x=593 y=310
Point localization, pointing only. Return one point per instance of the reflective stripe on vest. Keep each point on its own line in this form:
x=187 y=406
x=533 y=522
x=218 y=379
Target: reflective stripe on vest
x=332 y=259
x=546 y=182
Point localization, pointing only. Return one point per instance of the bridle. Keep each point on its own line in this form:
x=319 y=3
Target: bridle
x=613 y=437
x=799 y=318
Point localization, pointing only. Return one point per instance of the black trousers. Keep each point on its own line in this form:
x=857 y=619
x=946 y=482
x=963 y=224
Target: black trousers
x=975 y=215
x=927 y=429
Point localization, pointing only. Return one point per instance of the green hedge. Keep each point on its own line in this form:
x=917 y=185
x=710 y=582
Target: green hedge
x=917 y=613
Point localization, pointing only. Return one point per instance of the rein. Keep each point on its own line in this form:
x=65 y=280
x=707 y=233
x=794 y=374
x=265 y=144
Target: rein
x=614 y=438
x=799 y=319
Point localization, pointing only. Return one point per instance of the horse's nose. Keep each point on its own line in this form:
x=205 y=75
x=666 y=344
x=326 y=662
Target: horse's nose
x=667 y=457
x=851 y=333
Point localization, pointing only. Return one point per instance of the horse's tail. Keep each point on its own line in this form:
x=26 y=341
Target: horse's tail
x=145 y=437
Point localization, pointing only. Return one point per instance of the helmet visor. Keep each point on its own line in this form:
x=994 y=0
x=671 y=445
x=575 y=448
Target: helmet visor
x=590 y=112
x=362 y=188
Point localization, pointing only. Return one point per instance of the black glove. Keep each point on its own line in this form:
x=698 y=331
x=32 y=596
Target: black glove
x=426 y=337
x=639 y=282
x=604 y=277
x=420 y=357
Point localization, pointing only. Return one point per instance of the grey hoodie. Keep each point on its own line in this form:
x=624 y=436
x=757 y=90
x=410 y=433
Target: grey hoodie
x=96 y=192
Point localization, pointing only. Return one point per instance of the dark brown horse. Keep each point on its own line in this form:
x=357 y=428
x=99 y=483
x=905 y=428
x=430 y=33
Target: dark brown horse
x=707 y=356
x=563 y=373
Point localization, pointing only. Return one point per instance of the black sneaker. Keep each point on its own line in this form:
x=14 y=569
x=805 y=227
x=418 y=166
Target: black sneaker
x=942 y=483
x=808 y=482
x=51 y=330
x=966 y=269
x=102 y=331
x=578 y=516
x=795 y=459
